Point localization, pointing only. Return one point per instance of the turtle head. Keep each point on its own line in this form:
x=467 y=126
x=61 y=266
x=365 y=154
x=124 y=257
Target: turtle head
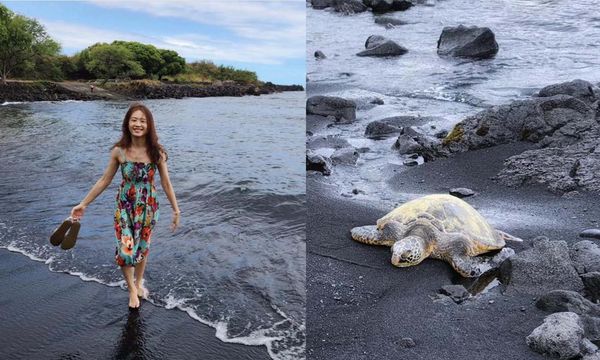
x=409 y=251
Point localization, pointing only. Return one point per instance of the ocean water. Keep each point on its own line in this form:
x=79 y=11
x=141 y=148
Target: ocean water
x=237 y=262
x=541 y=42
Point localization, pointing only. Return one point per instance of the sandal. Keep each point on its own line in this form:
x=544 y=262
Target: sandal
x=59 y=234
x=71 y=236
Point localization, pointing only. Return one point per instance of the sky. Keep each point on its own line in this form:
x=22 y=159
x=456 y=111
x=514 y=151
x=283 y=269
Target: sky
x=264 y=36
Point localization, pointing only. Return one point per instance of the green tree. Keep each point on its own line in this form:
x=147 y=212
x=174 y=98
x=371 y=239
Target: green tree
x=173 y=63
x=22 y=41
x=146 y=55
x=112 y=61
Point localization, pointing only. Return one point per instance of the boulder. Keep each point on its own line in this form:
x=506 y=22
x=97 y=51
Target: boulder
x=591 y=281
x=411 y=141
x=579 y=89
x=590 y=233
x=389 y=21
x=555 y=121
x=346 y=156
x=382 y=6
x=457 y=293
x=316 y=162
x=544 y=267
x=343 y=110
x=561 y=336
x=473 y=42
x=380 y=129
x=560 y=169
x=585 y=256
x=379 y=46
x=349 y=6
x=321 y=4
x=461 y=192
x=565 y=300
x=319 y=55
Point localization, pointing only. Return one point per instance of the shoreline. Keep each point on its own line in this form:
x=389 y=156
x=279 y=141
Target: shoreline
x=65 y=317
x=41 y=90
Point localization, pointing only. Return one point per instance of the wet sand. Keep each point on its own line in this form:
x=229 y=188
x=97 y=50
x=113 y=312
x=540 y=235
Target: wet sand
x=47 y=315
x=360 y=306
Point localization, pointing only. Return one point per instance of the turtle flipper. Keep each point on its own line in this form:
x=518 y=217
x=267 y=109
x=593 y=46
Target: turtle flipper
x=507 y=237
x=367 y=235
x=474 y=266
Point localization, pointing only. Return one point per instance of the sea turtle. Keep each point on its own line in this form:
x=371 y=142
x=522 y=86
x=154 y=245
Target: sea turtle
x=438 y=226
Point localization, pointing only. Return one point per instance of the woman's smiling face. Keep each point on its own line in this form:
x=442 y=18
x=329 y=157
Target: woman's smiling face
x=138 y=126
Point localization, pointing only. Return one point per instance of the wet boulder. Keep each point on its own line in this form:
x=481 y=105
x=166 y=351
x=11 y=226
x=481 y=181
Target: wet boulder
x=379 y=46
x=343 y=110
x=561 y=336
x=579 y=89
x=544 y=267
x=321 y=4
x=383 y=6
x=472 y=42
x=316 y=162
x=345 y=156
x=412 y=141
x=319 y=55
x=566 y=300
x=349 y=6
x=389 y=126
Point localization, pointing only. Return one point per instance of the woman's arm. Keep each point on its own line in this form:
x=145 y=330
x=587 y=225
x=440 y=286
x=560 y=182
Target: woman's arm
x=168 y=188
x=101 y=184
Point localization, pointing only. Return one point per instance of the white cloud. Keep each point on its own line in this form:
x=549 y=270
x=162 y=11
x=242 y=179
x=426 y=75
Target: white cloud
x=190 y=46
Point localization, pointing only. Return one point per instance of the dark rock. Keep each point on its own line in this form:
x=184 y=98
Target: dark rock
x=457 y=293
x=374 y=41
x=382 y=6
x=555 y=121
x=442 y=134
x=321 y=4
x=585 y=256
x=560 y=336
x=318 y=123
x=342 y=109
x=591 y=327
x=318 y=163
x=349 y=6
x=319 y=55
x=544 y=267
x=410 y=162
x=591 y=281
x=346 y=156
x=407 y=343
x=388 y=21
x=579 y=89
x=379 y=46
x=377 y=101
x=590 y=233
x=472 y=42
x=564 y=300
x=461 y=192
x=560 y=169
x=386 y=127
x=332 y=142
x=412 y=141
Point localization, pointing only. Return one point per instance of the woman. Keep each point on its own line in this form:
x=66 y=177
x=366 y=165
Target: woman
x=139 y=154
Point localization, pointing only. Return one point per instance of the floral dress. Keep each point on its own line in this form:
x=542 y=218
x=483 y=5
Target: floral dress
x=136 y=211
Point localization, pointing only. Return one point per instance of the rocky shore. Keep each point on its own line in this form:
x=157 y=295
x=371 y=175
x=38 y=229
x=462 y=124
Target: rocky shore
x=133 y=90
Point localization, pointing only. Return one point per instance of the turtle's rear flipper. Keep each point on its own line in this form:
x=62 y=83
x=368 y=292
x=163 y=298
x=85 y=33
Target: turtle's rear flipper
x=507 y=237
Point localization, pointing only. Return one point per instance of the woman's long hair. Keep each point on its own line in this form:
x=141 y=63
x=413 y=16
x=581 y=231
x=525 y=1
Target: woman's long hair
x=154 y=149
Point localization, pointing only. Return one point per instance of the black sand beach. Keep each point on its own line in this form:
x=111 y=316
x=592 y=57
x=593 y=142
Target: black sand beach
x=47 y=315
x=361 y=307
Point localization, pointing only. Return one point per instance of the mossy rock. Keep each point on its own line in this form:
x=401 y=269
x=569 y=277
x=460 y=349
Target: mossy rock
x=455 y=135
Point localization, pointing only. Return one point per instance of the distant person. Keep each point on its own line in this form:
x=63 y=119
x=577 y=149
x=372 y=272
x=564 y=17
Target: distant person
x=139 y=155
x=92 y=88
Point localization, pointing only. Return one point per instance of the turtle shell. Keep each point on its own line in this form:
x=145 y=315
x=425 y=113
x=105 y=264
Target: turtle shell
x=455 y=214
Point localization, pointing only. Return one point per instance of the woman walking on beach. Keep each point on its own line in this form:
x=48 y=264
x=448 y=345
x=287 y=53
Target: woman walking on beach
x=139 y=155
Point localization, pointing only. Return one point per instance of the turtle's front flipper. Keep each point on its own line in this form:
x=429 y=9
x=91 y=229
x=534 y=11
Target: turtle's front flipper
x=474 y=266
x=507 y=237
x=367 y=235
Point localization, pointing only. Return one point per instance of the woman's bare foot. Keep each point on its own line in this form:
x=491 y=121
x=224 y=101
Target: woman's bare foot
x=142 y=292
x=134 y=302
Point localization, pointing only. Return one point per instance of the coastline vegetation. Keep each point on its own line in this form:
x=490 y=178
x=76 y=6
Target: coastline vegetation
x=27 y=52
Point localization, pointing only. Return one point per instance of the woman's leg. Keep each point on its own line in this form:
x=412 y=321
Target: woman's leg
x=139 y=278
x=134 y=302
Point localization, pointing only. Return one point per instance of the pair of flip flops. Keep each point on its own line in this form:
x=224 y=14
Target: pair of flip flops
x=66 y=233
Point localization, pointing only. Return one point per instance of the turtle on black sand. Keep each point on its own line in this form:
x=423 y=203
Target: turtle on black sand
x=441 y=227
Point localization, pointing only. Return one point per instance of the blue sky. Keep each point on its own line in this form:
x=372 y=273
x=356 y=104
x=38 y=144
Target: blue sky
x=265 y=36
